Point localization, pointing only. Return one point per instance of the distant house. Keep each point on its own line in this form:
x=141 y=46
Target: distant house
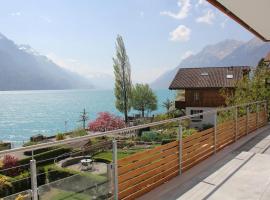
x=201 y=88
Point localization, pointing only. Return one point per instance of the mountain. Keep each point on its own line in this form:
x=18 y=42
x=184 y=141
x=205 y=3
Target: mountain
x=224 y=53
x=22 y=68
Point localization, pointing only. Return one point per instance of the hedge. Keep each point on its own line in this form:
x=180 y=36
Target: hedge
x=47 y=156
x=38 y=151
x=22 y=182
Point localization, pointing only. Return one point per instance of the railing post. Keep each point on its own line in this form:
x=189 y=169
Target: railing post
x=215 y=132
x=247 y=113
x=180 y=134
x=34 y=188
x=236 y=123
x=115 y=169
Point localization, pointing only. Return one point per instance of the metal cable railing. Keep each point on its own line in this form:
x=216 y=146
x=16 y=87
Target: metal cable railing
x=33 y=164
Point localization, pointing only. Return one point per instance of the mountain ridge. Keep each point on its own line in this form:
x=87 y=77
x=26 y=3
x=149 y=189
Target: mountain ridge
x=22 y=68
x=235 y=53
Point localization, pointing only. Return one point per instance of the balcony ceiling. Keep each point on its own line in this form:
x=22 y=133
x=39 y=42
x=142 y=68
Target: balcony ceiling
x=251 y=14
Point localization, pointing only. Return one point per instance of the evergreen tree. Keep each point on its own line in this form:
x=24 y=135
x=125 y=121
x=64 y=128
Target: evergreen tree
x=122 y=72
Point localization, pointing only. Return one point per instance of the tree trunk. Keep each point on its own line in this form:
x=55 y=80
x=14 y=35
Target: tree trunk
x=143 y=112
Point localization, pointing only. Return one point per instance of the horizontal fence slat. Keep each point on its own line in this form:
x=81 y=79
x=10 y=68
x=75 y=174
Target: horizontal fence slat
x=144 y=171
x=140 y=155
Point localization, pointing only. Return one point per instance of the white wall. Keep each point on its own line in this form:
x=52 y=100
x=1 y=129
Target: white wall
x=207 y=118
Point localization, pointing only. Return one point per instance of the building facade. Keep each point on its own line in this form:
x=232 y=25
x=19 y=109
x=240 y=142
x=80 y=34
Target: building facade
x=203 y=88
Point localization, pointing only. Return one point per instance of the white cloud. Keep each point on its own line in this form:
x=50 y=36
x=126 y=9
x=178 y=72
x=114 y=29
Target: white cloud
x=223 y=24
x=186 y=55
x=185 y=7
x=16 y=14
x=207 y=18
x=180 y=34
x=201 y=3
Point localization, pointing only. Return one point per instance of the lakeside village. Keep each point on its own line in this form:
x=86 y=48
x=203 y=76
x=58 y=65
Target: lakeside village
x=198 y=90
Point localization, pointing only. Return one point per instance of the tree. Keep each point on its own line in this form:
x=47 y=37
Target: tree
x=122 y=72
x=143 y=98
x=251 y=89
x=106 y=122
x=167 y=104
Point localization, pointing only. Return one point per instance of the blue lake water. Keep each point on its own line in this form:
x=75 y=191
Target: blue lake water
x=26 y=113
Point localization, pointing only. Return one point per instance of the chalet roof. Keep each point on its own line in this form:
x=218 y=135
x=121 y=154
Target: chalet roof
x=208 y=77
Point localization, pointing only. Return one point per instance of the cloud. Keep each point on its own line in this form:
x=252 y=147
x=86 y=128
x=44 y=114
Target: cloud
x=223 y=24
x=186 y=55
x=185 y=7
x=201 y=3
x=207 y=18
x=180 y=34
x=141 y=14
x=16 y=14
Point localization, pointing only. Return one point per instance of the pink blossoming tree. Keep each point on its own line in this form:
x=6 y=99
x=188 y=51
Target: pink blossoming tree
x=106 y=122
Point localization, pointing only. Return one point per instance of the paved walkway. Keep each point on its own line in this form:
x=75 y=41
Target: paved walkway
x=239 y=172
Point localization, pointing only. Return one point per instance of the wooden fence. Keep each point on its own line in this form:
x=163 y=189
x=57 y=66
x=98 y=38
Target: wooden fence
x=144 y=171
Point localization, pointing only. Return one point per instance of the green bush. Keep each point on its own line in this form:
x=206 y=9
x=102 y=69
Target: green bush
x=150 y=136
x=22 y=182
x=38 y=151
x=47 y=156
x=55 y=173
x=60 y=136
x=78 y=133
x=187 y=132
x=29 y=143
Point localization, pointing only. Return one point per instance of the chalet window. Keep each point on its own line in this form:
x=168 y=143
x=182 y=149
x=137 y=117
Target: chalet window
x=196 y=96
x=196 y=118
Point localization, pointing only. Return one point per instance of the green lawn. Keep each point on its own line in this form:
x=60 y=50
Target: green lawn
x=70 y=196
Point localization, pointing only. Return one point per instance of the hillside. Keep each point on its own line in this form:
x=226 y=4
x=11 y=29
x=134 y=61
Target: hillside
x=225 y=53
x=22 y=68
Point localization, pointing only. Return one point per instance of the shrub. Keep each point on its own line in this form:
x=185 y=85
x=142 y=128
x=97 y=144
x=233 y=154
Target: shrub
x=10 y=161
x=55 y=173
x=149 y=136
x=78 y=133
x=190 y=131
x=4 y=183
x=106 y=122
x=48 y=156
x=29 y=143
x=60 y=136
x=38 y=151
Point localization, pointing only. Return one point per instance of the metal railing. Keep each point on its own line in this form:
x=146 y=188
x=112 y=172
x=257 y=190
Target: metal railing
x=114 y=133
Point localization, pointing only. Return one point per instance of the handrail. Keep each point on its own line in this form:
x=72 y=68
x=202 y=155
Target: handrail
x=123 y=130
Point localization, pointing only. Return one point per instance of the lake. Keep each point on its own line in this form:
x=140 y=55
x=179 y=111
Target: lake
x=26 y=113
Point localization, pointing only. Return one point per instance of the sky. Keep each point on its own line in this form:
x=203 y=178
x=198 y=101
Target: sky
x=80 y=35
